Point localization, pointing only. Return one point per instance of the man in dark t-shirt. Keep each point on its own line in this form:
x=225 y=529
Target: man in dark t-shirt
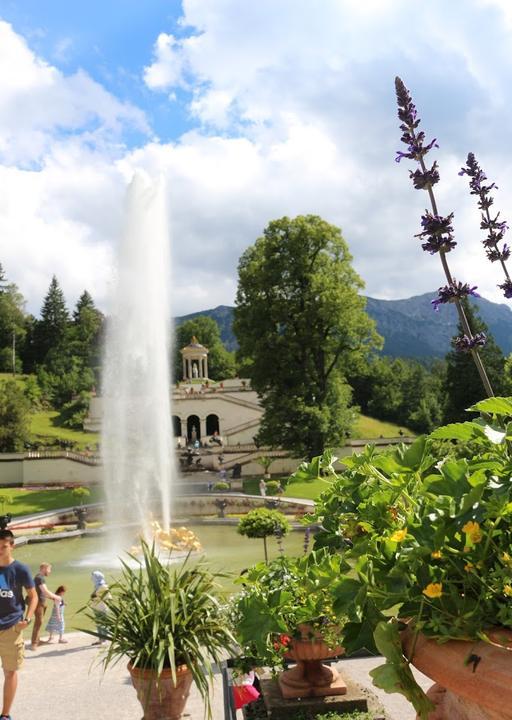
x=14 y=577
x=43 y=593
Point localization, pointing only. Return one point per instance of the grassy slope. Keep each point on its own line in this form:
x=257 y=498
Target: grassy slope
x=368 y=428
x=45 y=423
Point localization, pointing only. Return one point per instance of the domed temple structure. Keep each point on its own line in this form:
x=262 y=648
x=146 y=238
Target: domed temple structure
x=225 y=413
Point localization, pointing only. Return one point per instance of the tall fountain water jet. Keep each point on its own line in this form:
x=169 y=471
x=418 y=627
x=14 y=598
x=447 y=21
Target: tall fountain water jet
x=136 y=433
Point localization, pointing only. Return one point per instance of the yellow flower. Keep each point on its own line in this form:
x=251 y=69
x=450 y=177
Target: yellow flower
x=505 y=557
x=507 y=589
x=437 y=554
x=399 y=535
x=468 y=567
x=473 y=531
x=434 y=590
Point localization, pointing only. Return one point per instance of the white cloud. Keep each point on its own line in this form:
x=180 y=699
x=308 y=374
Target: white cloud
x=293 y=105
x=38 y=102
x=166 y=70
x=310 y=88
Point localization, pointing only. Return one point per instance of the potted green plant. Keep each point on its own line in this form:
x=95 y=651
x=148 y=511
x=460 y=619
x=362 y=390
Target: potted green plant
x=265 y=463
x=285 y=611
x=430 y=538
x=169 y=621
x=262 y=523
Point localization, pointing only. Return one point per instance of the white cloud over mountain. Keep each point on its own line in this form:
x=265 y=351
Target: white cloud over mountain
x=292 y=111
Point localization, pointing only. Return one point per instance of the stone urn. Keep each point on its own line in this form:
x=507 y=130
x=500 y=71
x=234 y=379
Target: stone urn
x=160 y=698
x=473 y=680
x=310 y=677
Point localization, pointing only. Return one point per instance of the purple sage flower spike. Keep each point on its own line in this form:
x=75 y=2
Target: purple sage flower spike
x=437 y=230
x=449 y=293
x=494 y=227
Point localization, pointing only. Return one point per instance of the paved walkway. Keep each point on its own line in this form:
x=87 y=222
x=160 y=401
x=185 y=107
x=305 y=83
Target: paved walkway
x=63 y=682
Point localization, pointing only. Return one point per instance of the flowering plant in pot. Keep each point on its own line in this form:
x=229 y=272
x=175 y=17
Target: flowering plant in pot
x=431 y=542
x=285 y=611
x=169 y=621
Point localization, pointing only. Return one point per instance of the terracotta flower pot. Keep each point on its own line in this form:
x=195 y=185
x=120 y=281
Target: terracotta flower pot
x=310 y=677
x=473 y=679
x=160 y=698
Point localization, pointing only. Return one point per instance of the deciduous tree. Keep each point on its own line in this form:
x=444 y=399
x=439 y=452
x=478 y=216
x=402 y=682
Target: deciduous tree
x=301 y=323
x=14 y=417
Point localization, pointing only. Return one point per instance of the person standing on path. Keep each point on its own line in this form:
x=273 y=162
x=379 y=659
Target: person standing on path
x=14 y=576
x=42 y=595
x=56 y=622
x=98 y=597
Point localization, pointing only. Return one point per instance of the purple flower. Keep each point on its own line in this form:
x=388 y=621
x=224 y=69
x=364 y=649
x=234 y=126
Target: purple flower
x=407 y=114
x=424 y=180
x=477 y=175
x=438 y=231
x=442 y=244
x=507 y=288
x=450 y=293
x=466 y=344
x=493 y=226
x=495 y=254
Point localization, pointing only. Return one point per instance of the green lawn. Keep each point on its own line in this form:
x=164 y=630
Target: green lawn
x=45 y=427
x=44 y=424
x=309 y=491
x=367 y=427
x=26 y=502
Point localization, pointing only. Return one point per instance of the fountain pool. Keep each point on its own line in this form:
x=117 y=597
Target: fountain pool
x=73 y=559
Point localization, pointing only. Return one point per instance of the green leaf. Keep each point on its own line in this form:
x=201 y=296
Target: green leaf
x=494 y=406
x=358 y=636
x=414 y=455
x=396 y=675
x=344 y=594
x=457 y=431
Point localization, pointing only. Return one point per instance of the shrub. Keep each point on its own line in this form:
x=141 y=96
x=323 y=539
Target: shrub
x=261 y=523
x=273 y=487
x=221 y=486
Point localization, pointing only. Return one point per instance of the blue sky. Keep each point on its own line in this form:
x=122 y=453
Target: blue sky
x=252 y=110
x=112 y=40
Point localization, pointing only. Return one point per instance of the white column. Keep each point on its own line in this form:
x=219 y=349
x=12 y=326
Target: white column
x=202 y=423
x=206 y=367
x=184 y=369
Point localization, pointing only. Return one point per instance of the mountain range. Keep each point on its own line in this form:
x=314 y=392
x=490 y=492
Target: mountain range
x=410 y=327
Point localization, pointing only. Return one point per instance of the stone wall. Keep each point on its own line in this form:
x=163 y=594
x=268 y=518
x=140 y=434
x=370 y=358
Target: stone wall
x=21 y=471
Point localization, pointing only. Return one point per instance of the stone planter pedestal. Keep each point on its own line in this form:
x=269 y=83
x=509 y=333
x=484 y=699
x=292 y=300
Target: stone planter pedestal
x=473 y=680
x=310 y=677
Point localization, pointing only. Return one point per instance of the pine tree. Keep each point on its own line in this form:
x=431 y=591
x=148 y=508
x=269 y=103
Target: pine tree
x=86 y=331
x=84 y=302
x=51 y=330
x=463 y=386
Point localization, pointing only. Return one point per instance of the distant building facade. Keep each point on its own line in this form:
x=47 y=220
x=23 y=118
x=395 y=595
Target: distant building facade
x=228 y=412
